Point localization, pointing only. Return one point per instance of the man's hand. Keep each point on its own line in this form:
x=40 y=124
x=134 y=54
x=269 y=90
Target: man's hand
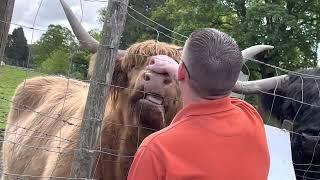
x=163 y=64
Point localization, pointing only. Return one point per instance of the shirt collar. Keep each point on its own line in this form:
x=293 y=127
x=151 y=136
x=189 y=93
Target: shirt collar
x=204 y=108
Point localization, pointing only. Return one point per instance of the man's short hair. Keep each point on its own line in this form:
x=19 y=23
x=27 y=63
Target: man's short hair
x=213 y=61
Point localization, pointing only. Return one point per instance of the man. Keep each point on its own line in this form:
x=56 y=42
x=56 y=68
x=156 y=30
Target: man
x=214 y=137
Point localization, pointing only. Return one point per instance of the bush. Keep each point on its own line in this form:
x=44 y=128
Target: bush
x=80 y=64
x=58 y=62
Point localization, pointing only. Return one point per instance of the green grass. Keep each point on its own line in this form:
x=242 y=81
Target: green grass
x=10 y=78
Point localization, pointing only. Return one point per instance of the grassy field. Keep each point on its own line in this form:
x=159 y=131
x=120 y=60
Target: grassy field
x=10 y=78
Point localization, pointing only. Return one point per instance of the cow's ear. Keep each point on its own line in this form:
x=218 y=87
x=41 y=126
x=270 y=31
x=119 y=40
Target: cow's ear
x=120 y=77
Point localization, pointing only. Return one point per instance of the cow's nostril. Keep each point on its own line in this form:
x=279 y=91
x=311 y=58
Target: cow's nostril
x=146 y=77
x=167 y=81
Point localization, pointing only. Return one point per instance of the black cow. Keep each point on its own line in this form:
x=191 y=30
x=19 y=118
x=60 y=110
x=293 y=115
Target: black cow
x=297 y=102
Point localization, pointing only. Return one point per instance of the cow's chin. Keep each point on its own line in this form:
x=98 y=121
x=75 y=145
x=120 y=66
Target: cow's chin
x=151 y=114
x=149 y=109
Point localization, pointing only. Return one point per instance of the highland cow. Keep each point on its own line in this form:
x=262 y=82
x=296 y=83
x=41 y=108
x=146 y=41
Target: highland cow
x=130 y=116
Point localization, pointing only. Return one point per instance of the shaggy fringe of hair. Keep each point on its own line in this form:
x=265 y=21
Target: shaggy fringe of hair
x=139 y=53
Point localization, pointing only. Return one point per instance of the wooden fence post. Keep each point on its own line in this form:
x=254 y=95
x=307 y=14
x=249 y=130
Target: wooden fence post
x=98 y=91
x=6 y=11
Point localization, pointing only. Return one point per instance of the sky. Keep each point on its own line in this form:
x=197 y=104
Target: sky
x=51 y=12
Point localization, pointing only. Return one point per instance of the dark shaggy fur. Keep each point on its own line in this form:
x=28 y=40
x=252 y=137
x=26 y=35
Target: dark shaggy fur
x=305 y=119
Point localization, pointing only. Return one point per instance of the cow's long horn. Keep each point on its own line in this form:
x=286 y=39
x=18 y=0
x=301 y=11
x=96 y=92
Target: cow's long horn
x=83 y=36
x=263 y=85
x=254 y=50
x=259 y=86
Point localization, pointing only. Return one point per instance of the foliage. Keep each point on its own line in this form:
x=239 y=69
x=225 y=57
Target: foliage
x=57 y=63
x=17 y=50
x=135 y=31
x=96 y=34
x=80 y=65
x=292 y=27
x=284 y=25
x=73 y=65
x=9 y=80
x=56 y=38
x=57 y=52
x=186 y=16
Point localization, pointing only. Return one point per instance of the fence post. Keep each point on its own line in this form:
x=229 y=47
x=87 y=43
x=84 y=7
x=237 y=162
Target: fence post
x=98 y=91
x=6 y=10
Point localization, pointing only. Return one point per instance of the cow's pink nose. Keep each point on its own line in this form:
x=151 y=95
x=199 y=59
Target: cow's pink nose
x=160 y=79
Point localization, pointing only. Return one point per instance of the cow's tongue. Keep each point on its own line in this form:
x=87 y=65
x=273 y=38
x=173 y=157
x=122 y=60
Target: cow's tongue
x=151 y=113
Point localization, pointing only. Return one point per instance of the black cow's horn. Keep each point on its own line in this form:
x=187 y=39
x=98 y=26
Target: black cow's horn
x=263 y=85
x=254 y=50
x=259 y=86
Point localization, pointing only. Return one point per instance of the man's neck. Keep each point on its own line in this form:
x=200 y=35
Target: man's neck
x=190 y=100
x=193 y=98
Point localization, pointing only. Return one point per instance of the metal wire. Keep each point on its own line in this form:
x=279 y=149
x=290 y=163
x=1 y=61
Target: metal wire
x=185 y=37
x=154 y=28
x=22 y=176
x=49 y=149
x=127 y=156
x=38 y=132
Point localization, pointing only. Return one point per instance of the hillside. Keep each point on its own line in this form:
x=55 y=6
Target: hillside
x=10 y=78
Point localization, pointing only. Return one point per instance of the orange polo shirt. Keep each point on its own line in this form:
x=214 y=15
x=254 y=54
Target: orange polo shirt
x=214 y=140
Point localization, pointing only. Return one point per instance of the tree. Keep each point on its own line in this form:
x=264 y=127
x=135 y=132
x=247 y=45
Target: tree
x=17 y=50
x=56 y=38
x=62 y=62
x=291 y=26
x=57 y=52
x=6 y=11
x=135 y=31
x=186 y=16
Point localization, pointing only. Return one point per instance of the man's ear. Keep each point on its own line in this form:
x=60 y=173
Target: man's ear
x=181 y=72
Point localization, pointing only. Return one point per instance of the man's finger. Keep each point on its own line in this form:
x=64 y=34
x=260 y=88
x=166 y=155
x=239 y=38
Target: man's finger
x=165 y=60
x=151 y=67
x=154 y=69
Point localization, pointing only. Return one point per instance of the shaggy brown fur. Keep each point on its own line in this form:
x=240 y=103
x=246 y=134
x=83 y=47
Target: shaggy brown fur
x=45 y=118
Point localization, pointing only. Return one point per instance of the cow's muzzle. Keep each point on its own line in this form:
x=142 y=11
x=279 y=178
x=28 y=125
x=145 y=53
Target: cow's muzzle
x=154 y=84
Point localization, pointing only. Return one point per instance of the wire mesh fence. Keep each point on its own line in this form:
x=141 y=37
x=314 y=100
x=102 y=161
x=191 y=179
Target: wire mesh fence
x=54 y=128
